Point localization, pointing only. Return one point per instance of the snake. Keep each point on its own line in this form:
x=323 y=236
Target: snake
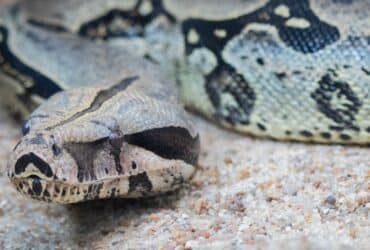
x=103 y=85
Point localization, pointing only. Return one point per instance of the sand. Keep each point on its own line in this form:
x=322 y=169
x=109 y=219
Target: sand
x=253 y=193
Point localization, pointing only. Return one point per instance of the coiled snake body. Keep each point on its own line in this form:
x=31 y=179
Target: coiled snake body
x=285 y=69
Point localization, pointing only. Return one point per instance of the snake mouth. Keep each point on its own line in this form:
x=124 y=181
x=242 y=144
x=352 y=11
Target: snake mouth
x=31 y=186
x=129 y=170
x=143 y=183
x=40 y=189
x=52 y=191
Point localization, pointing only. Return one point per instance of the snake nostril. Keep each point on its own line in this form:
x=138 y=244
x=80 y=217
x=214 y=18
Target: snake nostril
x=10 y=174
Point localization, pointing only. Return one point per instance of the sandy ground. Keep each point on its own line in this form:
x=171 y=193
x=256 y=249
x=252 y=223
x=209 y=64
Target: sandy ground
x=246 y=193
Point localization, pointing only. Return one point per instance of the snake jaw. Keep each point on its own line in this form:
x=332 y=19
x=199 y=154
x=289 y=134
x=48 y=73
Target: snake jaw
x=45 y=167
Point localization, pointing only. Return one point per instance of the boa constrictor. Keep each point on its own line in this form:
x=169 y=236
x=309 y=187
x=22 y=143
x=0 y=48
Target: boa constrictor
x=285 y=69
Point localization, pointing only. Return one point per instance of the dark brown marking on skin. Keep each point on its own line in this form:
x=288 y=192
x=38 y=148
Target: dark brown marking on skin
x=116 y=143
x=326 y=135
x=30 y=192
x=260 y=61
x=280 y=75
x=133 y=165
x=115 y=130
x=36 y=186
x=16 y=145
x=93 y=191
x=46 y=193
x=168 y=142
x=37 y=140
x=309 y=40
x=117 y=163
x=101 y=97
x=345 y=137
x=306 y=133
x=366 y=71
x=176 y=180
x=64 y=191
x=151 y=59
x=43 y=86
x=75 y=189
x=336 y=128
x=113 y=193
x=89 y=189
x=225 y=79
x=57 y=190
x=139 y=182
x=38 y=116
x=312 y=39
x=343 y=114
x=84 y=155
x=261 y=127
x=26 y=159
x=49 y=26
x=137 y=22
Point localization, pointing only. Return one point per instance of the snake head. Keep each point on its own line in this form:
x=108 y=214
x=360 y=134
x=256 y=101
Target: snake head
x=32 y=165
x=133 y=145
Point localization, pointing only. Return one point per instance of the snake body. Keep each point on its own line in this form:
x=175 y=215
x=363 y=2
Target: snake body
x=113 y=73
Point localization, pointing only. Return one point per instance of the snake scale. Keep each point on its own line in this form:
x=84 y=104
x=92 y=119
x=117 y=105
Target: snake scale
x=113 y=73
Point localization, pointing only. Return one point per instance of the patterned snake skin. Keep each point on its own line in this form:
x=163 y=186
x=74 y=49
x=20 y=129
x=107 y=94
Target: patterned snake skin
x=284 y=69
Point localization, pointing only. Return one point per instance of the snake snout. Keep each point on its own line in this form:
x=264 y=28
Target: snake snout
x=29 y=171
x=29 y=165
x=31 y=157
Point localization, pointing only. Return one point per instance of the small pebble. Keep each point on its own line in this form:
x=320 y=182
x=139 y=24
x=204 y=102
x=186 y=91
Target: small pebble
x=363 y=198
x=201 y=205
x=331 y=200
x=228 y=160
x=243 y=174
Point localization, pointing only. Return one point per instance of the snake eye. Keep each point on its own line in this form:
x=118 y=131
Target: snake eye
x=56 y=149
x=116 y=141
x=25 y=127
